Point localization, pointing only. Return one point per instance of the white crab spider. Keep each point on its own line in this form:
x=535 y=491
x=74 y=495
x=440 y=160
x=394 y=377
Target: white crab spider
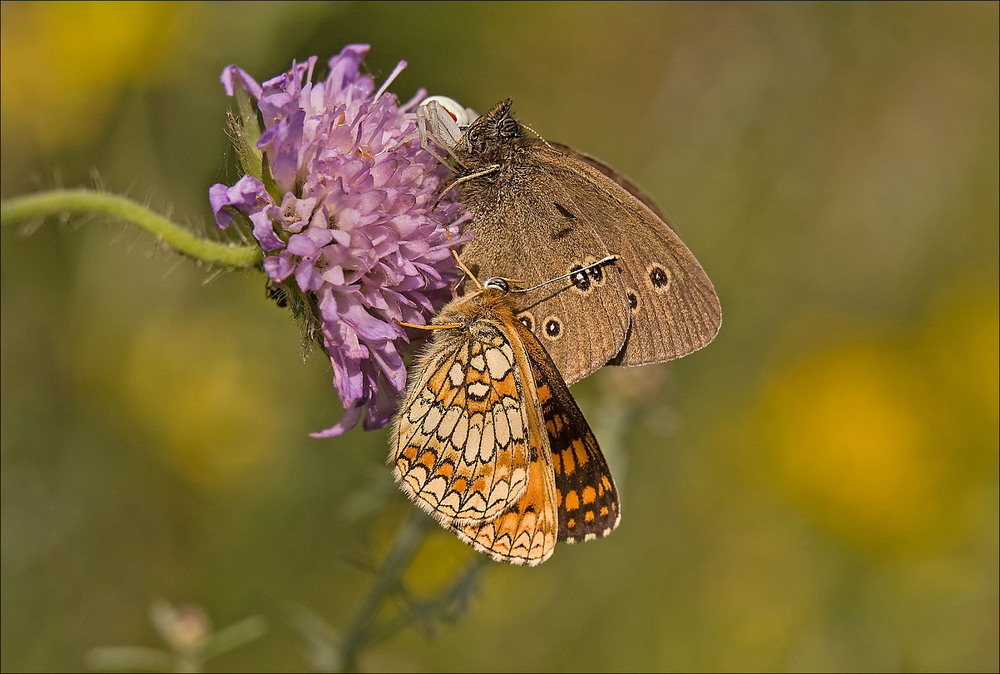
x=442 y=120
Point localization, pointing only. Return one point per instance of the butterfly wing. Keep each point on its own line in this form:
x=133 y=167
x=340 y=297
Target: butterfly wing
x=540 y=209
x=477 y=374
x=674 y=307
x=527 y=227
x=463 y=438
x=526 y=532
x=588 y=502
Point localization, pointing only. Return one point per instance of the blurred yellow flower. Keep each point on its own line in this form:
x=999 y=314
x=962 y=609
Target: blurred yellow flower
x=189 y=390
x=870 y=439
x=65 y=64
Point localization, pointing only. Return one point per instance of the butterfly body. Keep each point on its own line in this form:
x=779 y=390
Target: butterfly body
x=541 y=209
x=490 y=442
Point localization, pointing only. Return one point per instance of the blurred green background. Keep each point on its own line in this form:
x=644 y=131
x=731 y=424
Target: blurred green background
x=816 y=490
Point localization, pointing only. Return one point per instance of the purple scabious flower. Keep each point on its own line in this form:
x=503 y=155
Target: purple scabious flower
x=346 y=209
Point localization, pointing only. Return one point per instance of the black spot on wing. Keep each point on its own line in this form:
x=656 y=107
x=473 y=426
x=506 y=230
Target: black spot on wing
x=564 y=211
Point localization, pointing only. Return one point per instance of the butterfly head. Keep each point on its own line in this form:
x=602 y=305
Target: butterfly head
x=497 y=283
x=494 y=134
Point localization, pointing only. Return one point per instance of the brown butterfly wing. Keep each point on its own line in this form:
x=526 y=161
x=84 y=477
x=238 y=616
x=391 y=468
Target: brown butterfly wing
x=612 y=175
x=526 y=228
x=674 y=307
x=463 y=437
x=540 y=209
x=587 y=497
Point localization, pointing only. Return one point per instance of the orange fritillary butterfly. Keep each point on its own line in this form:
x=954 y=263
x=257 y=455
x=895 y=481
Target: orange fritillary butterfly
x=490 y=442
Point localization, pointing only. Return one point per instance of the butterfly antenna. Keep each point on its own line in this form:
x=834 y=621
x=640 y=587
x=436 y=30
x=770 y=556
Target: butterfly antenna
x=465 y=269
x=605 y=260
x=444 y=326
x=537 y=135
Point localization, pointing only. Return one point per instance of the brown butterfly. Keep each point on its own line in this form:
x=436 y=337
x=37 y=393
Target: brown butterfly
x=490 y=442
x=541 y=209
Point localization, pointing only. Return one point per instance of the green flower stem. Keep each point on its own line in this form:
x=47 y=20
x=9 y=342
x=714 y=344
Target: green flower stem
x=405 y=545
x=181 y=239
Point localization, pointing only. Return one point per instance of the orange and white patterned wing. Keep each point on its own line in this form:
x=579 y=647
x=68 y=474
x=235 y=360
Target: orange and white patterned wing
x=526 y=532
x=461 y=438
x=587 y=497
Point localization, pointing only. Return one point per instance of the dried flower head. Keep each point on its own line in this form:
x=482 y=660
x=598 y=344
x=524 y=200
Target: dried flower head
x=345 y=206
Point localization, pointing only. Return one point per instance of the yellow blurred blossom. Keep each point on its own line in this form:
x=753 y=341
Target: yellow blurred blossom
x=206 y=409
x=64 y=64
x=869 y=438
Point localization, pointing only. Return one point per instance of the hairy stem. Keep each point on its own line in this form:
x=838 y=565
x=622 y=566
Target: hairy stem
x=81 y=201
